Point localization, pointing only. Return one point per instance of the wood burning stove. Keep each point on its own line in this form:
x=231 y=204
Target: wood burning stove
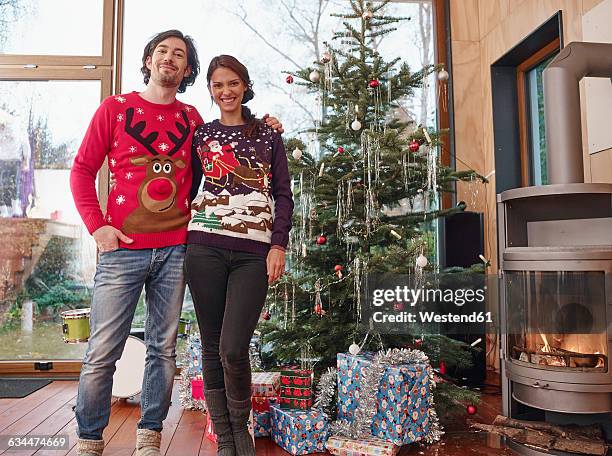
x=555 y=255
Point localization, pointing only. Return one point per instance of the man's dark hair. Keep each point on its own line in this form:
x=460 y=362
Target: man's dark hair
x=192 y=56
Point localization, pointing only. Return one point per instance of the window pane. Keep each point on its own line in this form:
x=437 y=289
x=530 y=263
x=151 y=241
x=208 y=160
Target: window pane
x=63 y=27
x=538 y=129
x=257 y=28
x=49 y=264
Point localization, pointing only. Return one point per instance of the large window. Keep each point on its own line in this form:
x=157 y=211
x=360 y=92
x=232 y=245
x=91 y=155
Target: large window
x=531 y=114
x=51 y=82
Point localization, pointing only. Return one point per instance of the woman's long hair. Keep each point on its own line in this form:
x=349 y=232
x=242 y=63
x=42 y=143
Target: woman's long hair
x=232 y=63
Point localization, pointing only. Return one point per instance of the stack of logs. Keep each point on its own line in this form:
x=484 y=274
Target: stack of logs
x=572 y=439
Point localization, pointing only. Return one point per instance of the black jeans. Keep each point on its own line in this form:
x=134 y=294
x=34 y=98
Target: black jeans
x=229 y=289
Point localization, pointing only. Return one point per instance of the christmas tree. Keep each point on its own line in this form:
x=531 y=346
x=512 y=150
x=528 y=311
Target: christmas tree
x=366 y=190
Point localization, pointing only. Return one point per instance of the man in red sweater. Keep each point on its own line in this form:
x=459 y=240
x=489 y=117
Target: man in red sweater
x=146 y=138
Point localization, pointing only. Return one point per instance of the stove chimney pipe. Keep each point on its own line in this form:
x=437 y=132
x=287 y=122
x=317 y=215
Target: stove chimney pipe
x=562 y=106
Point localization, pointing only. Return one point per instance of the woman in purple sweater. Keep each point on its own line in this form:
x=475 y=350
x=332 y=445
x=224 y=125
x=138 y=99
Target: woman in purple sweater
x=236 y=244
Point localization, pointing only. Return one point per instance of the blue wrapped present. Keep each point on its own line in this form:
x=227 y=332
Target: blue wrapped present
x=194 y=356
x=403 y=410
x=299 y=431
x=261 y=423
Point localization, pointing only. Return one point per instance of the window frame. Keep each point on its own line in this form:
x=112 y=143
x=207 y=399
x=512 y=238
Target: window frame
x=14 y=67
x=105 y=59
x=523 y=98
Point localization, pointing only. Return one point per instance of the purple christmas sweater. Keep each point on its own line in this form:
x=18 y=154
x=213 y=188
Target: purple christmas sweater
x=245 y=201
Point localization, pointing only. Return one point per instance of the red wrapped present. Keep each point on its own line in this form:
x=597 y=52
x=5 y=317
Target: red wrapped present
x=197 y=388
x=261 y=404
x=296 y=388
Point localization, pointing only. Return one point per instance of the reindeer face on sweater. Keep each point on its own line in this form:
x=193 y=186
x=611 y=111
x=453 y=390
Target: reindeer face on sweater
x=158 y=189
x=157 y=195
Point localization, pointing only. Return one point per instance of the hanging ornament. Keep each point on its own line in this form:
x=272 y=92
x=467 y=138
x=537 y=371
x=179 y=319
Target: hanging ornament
x=321 y=240
x=297 y=153
x=356 y=125
x=266 y=315
x=340 y=150
x=374 y=83
x=318 y=307
x=398 y=306
x=418 y=342
x=367 y=15
x=326 y=60
x=443 y=75
x=471 y=409
x=442 y=368
x=395 y=234
x=289 y=79
x=314 y=76
x=338 y=270
x=432 y=164
x=414 y=146
x=354 y=349
x=421 y=261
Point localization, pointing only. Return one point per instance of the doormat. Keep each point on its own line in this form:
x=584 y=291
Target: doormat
x=20 y=387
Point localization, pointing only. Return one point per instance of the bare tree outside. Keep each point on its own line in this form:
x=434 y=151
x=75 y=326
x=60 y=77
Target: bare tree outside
x=10 y=12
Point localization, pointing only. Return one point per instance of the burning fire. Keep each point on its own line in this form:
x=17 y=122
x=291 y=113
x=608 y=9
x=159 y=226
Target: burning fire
x=564 y=350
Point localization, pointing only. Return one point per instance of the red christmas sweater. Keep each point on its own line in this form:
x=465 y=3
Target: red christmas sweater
x=148 y=147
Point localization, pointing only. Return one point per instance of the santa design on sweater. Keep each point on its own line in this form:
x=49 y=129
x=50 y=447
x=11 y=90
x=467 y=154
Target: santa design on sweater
x=217 y=160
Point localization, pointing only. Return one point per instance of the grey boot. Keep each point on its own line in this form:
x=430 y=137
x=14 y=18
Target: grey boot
x=147 y=442
x=90 y=447
x=216 y=403
x=240 y=412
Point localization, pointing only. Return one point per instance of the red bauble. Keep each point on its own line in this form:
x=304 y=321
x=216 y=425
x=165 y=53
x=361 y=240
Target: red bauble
x=340 y=149
x=289 y=79
x=338 y=268
x=265 y=315
x=414 y=146
x=442 y=368
x=471 y=409
x=317 y=309
x=321 y=240
x=418 y=342
x=374 y=83
x=398 y=306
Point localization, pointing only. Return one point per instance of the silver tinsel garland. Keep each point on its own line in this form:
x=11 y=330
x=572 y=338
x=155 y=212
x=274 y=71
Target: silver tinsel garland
x=360 y=427
x=185 y=398
x=327 y=387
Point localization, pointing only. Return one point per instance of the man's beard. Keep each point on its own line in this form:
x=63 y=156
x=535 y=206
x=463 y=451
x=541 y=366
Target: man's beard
x=168 y=80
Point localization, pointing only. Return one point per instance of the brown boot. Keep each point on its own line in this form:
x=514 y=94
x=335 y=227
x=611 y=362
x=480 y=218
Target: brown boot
x=147 y=442
x=90 y=447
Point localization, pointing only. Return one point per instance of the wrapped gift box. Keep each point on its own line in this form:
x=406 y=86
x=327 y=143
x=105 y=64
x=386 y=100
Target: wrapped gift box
x=261 y=424
x=197 y=388
x=402 y=414
x=296 y=389
x=209 y=430
x=194 y=356
x=262 y=403
x=299 y=431
x=261 y=415
x=265 y=383
x=363 y=447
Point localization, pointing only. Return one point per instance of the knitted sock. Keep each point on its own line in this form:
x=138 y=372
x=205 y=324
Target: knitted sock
x=90 y=447
x=147 y=442
x=239 y=413
x=216 y=403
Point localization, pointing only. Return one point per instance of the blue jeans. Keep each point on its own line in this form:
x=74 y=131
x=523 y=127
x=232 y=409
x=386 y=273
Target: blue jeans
x=118 y=283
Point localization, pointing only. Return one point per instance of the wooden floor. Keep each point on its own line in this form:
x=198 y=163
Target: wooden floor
x=48 y=411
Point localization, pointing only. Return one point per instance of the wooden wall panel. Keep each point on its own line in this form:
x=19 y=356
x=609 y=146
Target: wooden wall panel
x=464 y=20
